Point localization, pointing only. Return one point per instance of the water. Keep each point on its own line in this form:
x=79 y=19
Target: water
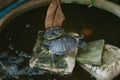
x=20 y=34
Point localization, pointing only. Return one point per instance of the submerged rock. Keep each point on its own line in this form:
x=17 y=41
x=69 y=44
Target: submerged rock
x=110 y=67
x=16 y=65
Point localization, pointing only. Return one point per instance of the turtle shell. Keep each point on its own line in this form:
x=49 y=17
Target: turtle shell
x=63 y=45
x=59 y=42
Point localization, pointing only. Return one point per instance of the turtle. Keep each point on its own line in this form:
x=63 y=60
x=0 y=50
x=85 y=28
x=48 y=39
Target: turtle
x=59 y=42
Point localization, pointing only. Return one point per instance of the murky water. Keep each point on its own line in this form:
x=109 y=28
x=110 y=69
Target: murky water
x=20 y=34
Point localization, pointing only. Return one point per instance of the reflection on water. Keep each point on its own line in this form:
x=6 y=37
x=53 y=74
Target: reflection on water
x=20 y=34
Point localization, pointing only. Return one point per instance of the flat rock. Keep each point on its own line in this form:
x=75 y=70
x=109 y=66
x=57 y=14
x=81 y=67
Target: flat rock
x=63 y=64
x=91 y=53
x=110 y=67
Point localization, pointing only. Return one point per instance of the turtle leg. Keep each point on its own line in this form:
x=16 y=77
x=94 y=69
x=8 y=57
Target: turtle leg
x=53 y=62
x=78 y=37
x=45 y=45
x=81 y=36
x=82 y=44
x=52 y=58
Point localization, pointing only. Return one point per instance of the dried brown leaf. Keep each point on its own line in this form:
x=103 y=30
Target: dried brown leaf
x=54 y=15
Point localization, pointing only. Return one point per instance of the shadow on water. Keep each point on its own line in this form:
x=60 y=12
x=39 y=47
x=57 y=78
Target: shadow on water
x=20 y=34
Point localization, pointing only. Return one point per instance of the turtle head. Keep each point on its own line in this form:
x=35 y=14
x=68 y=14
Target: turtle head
x=53 y=32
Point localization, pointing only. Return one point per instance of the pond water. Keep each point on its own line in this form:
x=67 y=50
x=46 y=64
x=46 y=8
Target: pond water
x=20 y=33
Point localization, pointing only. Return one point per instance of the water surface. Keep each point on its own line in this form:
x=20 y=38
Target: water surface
x=20 y=34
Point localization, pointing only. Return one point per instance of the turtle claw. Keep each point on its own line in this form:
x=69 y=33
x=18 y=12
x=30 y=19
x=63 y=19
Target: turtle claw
x=78 y=37
x=81 y=36
x=82 y=44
